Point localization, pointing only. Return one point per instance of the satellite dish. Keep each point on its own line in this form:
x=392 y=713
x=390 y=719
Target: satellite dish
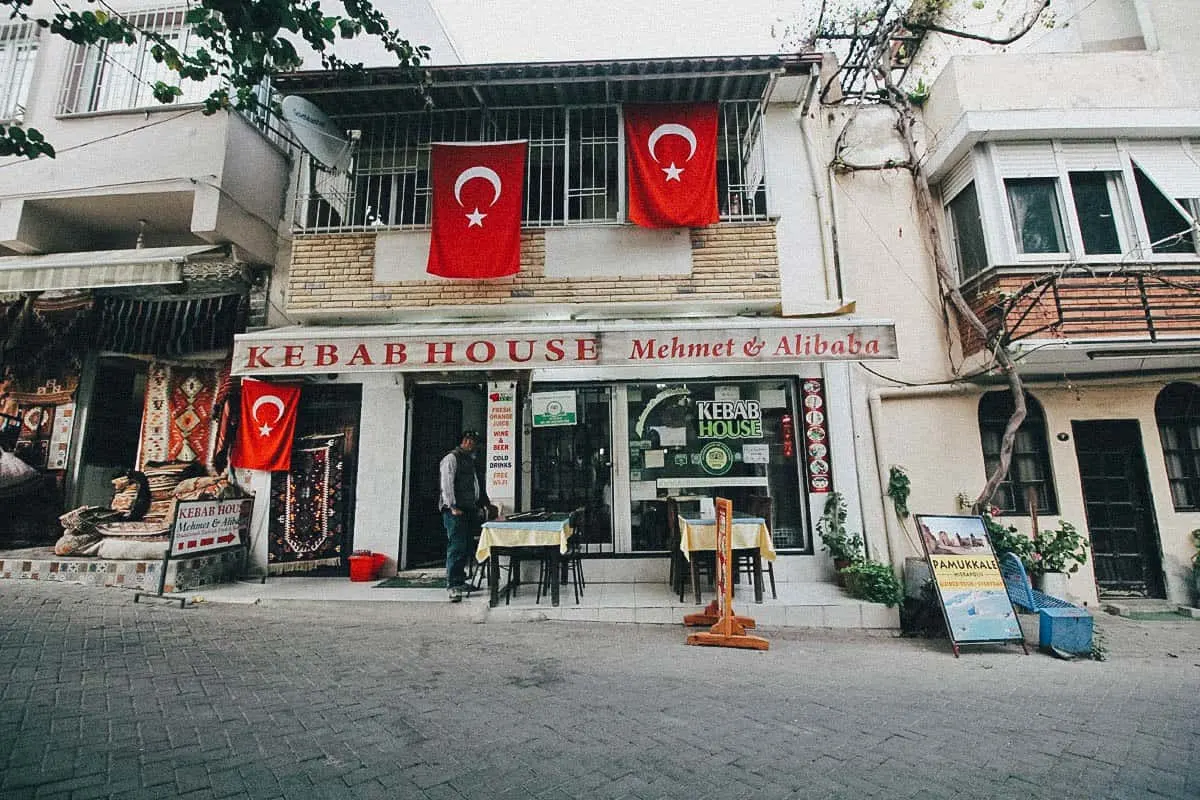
x=317 y=133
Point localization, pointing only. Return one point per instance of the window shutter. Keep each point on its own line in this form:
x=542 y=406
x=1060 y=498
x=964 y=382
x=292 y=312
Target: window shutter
x=1091 y=156
x=957 y=179
x=1174 y=169
x=1026 y=160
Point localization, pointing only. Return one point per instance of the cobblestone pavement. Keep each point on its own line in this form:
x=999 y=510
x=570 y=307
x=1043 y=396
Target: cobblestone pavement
x=102 y=697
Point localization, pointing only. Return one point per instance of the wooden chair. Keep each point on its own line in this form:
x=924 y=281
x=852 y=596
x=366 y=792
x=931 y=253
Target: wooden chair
x=743 y=560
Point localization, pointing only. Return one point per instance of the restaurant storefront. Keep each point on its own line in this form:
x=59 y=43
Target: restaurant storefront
x=612 y=417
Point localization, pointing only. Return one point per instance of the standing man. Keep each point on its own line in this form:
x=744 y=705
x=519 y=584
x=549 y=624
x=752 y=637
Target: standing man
x=462 y=500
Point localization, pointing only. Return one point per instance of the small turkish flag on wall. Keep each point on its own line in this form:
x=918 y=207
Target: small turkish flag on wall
x=268 y=425
x=671 y=149
x=478 y=194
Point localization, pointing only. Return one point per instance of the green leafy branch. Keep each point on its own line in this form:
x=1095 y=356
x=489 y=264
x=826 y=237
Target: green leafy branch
x=239 y=42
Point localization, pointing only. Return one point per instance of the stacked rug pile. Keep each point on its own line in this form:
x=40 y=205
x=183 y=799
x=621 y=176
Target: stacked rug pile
x=137 y=523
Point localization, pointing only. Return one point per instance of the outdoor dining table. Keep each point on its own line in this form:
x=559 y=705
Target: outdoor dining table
x=746 y=533
x=502 y=537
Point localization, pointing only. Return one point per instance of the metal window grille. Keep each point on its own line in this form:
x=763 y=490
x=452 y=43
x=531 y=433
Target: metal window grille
x=1178 y=414
x=1030 y=465
x=741 y=163
x=18 y=50
x=111 y=76
x=574 y=173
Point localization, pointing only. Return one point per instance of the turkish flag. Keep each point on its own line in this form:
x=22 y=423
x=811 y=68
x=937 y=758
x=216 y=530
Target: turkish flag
x=671 y=149
x=264 y=438
x=478 y=194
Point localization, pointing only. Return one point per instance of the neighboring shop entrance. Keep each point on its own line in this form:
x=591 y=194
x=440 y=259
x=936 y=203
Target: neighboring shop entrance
x=311 y=523
x=1120 y=517
x=439 y=414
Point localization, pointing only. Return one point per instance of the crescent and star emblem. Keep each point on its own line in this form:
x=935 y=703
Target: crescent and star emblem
x=267 y=400
x=672 y=129
x=475 y=218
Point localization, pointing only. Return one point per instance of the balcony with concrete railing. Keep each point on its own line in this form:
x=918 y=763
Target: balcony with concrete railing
x=164 y=178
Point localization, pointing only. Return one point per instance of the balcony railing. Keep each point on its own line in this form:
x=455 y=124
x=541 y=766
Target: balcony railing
x=1079 y=304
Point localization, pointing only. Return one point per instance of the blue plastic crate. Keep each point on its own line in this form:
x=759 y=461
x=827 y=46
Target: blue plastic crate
x=1066 y=629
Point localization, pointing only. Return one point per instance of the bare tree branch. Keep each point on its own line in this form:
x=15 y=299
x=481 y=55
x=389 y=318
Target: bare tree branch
x=1026 y=25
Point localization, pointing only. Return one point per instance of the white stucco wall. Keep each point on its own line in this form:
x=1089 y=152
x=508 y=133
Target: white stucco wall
x=379 y=487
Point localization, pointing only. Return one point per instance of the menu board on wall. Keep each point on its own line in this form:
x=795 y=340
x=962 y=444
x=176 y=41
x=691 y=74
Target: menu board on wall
x=501 y=443
x=816 y=436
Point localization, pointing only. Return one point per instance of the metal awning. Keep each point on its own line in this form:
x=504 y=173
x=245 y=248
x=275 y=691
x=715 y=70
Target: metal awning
x=397 y=89
x=97 y=269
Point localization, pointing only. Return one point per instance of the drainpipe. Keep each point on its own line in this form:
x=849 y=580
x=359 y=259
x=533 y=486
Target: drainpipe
x=826 y=216
x=875 y=398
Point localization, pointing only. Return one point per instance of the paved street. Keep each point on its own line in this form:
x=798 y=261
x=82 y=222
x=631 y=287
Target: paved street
x=103 y=697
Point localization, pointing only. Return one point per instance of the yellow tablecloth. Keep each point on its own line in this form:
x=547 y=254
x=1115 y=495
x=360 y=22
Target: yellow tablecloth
x=522 y=534
x=747 y=532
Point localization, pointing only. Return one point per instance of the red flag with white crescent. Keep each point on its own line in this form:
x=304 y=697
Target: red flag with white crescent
x=478 y=194
x=268 y=425
x=671 y=150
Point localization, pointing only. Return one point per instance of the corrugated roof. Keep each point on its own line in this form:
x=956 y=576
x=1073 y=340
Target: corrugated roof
x=539 y=84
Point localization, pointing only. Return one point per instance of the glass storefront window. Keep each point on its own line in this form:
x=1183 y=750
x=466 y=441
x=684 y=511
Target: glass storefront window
x=699 y=440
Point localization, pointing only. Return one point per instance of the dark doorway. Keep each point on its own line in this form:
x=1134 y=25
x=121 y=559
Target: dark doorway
x=439 y=415
x=1120 y=516
x=313 y=503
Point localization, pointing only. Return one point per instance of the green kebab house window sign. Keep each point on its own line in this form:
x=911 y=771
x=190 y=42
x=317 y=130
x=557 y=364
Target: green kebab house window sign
x=725 y=419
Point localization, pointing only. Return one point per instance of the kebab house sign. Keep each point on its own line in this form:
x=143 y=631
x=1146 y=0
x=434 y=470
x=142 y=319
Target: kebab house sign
x=327 y=352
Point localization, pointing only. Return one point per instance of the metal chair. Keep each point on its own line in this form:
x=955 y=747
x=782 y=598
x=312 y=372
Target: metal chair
x=687 y=569
x=571 y=562
x=743 y=560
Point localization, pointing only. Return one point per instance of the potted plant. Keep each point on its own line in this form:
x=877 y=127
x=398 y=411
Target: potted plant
x=1005 y=538
x=844 y=547
x=1055 y=554
x=874 y=582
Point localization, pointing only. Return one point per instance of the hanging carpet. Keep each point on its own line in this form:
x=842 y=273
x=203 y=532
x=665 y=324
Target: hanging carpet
x=177 y=421
x=307 y=520
x=43 y=339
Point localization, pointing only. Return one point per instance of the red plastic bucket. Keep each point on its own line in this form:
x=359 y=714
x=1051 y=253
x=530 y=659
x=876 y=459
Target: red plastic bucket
x=362 y=568
x=377 y=562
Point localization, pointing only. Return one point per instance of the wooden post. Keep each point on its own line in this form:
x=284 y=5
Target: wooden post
x=729 y=629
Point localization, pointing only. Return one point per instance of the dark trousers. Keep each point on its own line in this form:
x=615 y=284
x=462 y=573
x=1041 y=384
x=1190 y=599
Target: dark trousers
x=460 y=539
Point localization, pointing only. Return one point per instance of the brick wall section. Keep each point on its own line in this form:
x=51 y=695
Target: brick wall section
x=1083 y=307
x=333 y=272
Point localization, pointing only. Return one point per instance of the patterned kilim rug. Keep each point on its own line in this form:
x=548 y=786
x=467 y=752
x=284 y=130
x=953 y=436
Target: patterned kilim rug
x=177 y=421
x=307 y=524
x=419 y=581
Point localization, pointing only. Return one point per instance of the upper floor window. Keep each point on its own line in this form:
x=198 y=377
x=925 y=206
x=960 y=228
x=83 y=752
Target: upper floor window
x=18 y=50
x=1177 y=411
x=110 y=76
x=1061 y=201
x=1029 y=469
x=574 y=173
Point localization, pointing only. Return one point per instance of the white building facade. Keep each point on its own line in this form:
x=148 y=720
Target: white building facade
x=129 y=259
x=1066 y=169
x=637 y=331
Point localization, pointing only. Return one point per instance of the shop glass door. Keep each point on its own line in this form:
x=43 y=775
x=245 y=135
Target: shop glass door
x=571 y=445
